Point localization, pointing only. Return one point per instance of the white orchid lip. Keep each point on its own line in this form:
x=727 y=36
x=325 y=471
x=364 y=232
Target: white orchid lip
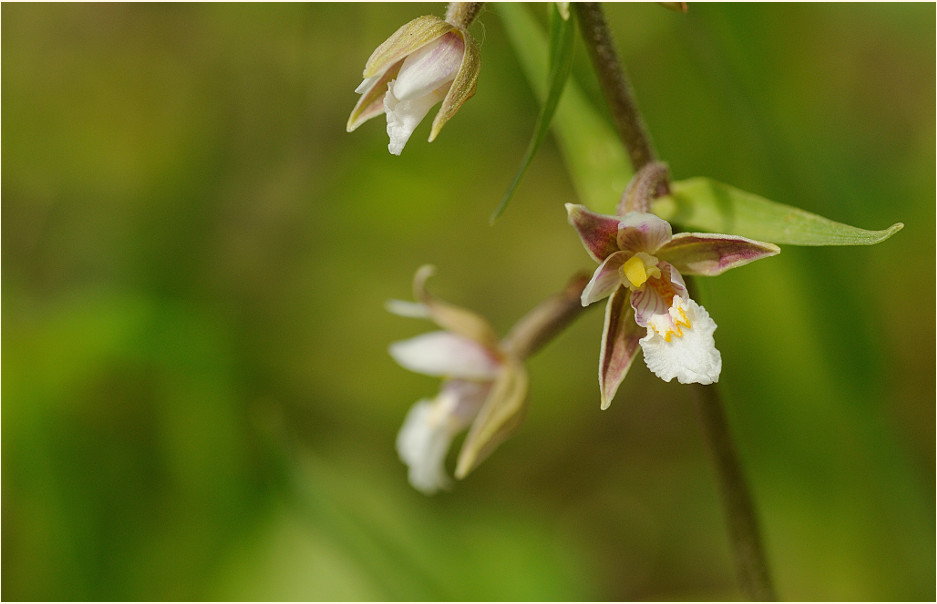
x=681 y=345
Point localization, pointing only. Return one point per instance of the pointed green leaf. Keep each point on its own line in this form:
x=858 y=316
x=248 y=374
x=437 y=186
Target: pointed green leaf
x=704 y=204
x=561 y=61
x=596 y=161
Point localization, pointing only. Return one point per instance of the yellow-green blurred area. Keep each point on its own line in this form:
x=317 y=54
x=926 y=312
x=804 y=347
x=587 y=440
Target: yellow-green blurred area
x=198 y=402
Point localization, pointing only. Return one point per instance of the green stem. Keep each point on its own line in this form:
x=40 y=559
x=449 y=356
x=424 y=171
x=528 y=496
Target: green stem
x=751 y=564
x=614 y=82
x=547 y=319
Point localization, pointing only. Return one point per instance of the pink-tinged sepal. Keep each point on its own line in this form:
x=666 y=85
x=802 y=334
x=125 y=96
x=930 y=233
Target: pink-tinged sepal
x=711 y=254
x=620 y=337
x=598 y=232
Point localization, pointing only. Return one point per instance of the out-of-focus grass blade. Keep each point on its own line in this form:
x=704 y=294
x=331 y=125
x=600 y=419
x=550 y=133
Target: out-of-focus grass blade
x=702 y=203
x=561 y=61
x=594 y=156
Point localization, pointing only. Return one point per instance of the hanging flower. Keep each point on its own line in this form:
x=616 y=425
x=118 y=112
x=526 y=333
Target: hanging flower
x=484 y=388
x=426 y=61
x=641 y=263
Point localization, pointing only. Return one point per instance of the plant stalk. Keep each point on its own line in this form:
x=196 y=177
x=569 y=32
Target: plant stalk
x=614 y=83
x=462 y=14
x=744 y=535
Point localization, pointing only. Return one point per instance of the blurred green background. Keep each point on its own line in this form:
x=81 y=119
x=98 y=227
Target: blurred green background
x=197 y=398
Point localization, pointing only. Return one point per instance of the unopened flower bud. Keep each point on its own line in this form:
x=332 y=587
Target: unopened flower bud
x=424 y=62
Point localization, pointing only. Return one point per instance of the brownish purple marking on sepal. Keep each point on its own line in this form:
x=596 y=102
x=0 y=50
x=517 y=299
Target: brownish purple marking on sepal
x=712 y=254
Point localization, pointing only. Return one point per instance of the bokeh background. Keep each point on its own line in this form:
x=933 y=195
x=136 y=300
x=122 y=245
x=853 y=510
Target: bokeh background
x=197 y=398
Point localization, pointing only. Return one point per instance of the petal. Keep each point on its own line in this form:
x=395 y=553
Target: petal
x=445 y=354
x=710 y=254
x=598 y=232
x=619 y=345
x=401 y=308
x=371 y=104
x=691 y=357
x=429 y=68
x=639 y=232
x=422 y=444
x=404 y=116
x=656 y=296
x=605 y=280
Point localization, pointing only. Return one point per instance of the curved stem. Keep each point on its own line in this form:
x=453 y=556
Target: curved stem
x=546 y=320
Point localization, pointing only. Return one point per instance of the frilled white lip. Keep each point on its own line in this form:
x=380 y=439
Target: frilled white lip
x=422 y=444
x=444 y=354
x=429 y=428
x=692 y=356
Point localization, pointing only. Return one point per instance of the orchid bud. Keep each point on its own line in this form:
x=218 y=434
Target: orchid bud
x=424 y=62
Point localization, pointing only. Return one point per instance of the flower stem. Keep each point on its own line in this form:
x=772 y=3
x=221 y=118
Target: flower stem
x=614 y=82
x=751 y=565
x=546 y=320
x=462 y=14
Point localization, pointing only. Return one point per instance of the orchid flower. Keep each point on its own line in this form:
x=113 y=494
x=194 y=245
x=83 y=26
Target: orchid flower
x=483 y=388
x=641 y=263
x=426 y=61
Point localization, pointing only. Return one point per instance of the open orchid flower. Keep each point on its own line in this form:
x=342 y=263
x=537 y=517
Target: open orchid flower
x=426 y=61
x=483 y=388
x=641 y=263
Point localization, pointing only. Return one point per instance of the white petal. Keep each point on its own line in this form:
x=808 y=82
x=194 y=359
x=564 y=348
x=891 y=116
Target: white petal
x=366 y=84
x=430 y=68
x=692 y=357
x=404 y=116
x=401 y=308
x=445 y=354
x=422 y=444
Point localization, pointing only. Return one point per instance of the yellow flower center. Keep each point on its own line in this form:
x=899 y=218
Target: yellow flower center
x=639 y=268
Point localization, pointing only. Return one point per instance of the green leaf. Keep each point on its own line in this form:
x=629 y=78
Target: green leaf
x=561 y=61
x=596 y=161
x=704 y=204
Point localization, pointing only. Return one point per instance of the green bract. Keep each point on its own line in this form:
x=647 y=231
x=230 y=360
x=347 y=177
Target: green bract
x=701 y=203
